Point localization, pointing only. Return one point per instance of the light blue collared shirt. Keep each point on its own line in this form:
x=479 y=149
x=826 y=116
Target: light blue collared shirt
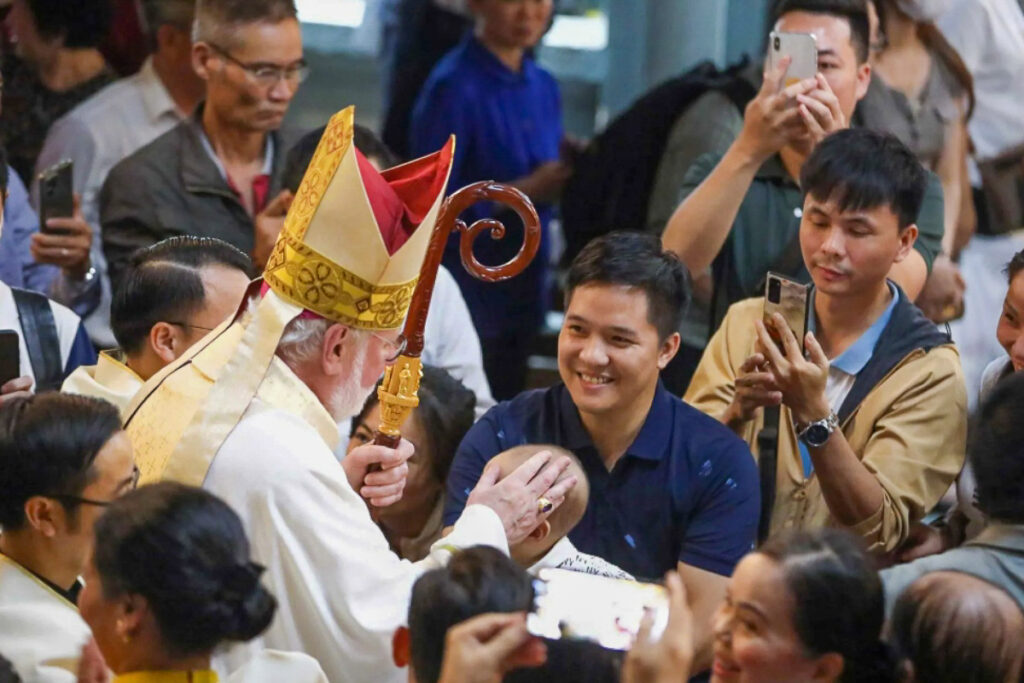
x=844 y=368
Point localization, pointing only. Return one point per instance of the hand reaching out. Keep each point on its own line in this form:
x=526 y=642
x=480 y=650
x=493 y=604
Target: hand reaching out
x=486 y=647
x=669 y=658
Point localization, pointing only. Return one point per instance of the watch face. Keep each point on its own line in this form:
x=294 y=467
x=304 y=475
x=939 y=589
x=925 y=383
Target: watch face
x=817 y=434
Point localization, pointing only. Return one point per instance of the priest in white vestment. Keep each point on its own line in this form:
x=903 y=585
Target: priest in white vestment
x=250 y=413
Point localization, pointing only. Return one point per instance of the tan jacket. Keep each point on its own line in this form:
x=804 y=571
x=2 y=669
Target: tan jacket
x=909 y=428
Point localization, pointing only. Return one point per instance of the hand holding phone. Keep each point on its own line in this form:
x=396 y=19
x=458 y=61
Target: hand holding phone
x=791 y=300
x=802 y=50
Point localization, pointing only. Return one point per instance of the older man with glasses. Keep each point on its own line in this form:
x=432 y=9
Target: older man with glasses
x=63 y=459
x=217 y=174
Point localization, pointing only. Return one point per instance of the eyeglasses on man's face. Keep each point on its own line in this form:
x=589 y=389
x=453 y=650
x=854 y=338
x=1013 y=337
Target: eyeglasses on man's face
x=268 y=75
x=79 y=500
x=397 y=345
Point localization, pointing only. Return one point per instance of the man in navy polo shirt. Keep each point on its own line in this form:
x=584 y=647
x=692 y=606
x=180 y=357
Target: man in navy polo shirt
x=669 y=487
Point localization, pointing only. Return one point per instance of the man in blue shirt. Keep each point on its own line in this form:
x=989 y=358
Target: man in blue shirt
x=669 y=487
x=506 y=113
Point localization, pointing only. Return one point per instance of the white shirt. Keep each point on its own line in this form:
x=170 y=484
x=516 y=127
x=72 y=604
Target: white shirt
x=67 y=329
x=96 y=135
x=41 y=633
x=564 y=555
x=341 y=591
x=989 y=35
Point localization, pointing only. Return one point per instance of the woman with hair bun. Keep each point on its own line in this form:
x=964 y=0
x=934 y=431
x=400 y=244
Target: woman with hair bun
x=803 y=607
x=170 y=579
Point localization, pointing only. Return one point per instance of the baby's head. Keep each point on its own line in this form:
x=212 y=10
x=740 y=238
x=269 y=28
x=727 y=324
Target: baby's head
x=535 y=546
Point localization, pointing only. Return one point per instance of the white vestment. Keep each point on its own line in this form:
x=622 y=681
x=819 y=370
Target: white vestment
x=109 y=379
x=41 y=633
x=341 y=591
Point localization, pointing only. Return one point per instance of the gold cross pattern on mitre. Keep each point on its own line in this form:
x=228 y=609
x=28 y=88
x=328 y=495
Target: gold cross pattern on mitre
x=355 y=238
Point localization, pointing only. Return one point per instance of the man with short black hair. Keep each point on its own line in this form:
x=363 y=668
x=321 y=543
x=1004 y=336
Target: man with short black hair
x=741 y=207
x=996 y=454
x=873 y=419
x=478 y=580
x=217 y=174
x=669 y=487
x=62 y=460
x=173 y=294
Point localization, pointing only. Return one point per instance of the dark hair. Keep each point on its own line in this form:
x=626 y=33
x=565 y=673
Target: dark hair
x=446 y=412
x=854 y=11
x=476 y=581
x=864 y=169
x=163 y=283
x=1015 y=265
x=185 y=551
x=838 y=600
x=996 y=451
x=299 y=156
x=81 y=23
x=157 y=13
x=635 y=260
x=4 y=173
x=48 y=443
x=957 y=628
x=7 y=672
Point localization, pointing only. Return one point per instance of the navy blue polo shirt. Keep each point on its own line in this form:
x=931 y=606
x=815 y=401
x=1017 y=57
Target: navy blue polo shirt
x=685 y=491
x=506 y=123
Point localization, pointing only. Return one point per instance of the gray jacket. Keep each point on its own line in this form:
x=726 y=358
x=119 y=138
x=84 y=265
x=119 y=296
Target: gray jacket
x=172 y=187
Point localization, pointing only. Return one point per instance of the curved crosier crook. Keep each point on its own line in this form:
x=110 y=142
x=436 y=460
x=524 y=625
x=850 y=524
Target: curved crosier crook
x=398 y=392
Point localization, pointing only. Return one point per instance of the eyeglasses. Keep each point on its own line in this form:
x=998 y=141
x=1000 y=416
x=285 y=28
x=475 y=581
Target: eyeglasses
x=68 y=498
x=194 y=327
x=398 y=345
x=268 y=75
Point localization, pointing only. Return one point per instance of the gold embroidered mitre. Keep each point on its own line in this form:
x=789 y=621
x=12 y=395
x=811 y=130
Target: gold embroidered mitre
x=350 y=251
x=354 y=239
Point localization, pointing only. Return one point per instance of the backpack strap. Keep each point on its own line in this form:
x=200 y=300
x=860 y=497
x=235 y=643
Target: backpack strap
x=39 y=330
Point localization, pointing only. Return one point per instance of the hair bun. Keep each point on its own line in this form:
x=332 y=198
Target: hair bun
x=251 y=605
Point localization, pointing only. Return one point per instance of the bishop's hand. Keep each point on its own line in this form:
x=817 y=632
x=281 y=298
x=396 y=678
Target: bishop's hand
x=527 y=496
x=381 y=487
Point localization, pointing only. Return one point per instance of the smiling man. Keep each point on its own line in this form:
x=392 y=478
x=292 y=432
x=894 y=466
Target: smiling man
x=873 y=417
x=669 y=487
x=217 y=174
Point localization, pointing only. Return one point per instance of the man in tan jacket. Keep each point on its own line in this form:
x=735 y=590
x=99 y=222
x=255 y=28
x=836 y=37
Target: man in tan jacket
x=872 y=401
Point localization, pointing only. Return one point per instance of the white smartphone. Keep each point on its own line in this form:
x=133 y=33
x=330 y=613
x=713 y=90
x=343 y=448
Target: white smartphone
x=801 y=47
x=575 y=606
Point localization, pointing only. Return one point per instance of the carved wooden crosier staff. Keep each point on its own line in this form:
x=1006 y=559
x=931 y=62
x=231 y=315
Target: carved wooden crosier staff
x=398 y=392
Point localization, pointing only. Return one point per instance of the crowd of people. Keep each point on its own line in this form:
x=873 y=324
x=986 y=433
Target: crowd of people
x=211 y=495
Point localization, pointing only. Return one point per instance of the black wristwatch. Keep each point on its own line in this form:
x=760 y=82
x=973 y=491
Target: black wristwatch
x=816 y=433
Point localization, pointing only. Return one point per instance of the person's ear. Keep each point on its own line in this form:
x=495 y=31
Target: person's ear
x=201 y=54
x=828 y=667
x=542 y=531
x=400 y=645
x=165 y=341
x=863 y=80
x=43 y=515
x=669 y=348
x=334 y=356
x=132 y=613
x=907 y=238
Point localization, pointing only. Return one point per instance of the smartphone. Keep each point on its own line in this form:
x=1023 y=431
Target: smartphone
x=10 y=356
x=801 y=47
x=792 y=300
x=55 y=195
x=575 y=606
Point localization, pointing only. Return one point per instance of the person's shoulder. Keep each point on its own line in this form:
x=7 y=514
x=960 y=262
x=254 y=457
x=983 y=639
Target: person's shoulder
x=702 y=434
x=161 y=157
x=451 y=70
x=525 y=406
x=96 y=110
x=271 y=440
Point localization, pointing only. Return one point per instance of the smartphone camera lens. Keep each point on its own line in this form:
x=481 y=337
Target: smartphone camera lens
x=778 y=43
x=774 y=291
